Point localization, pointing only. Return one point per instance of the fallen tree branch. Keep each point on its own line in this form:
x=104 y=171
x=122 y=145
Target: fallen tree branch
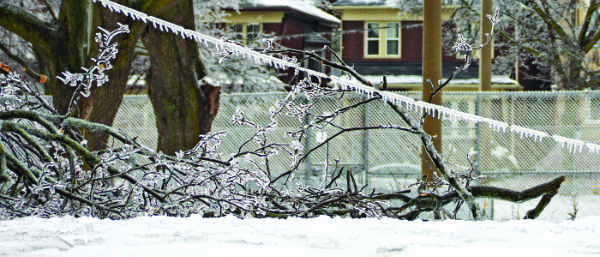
x=432 y=202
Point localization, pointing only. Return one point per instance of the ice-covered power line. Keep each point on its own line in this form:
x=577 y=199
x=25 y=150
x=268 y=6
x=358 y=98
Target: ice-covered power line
x=422 y=107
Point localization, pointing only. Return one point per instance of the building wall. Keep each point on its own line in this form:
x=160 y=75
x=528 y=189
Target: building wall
x=293 y=26
x=352 y=42
x=409 y=62
x=272 y=28
x=411 y=40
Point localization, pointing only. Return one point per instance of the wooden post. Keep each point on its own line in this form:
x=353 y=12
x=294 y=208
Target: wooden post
x=485 y=59
x=432 y=70
x=485 y=81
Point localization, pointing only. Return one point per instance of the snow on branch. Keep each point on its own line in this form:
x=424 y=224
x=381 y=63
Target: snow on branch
x=440 y=112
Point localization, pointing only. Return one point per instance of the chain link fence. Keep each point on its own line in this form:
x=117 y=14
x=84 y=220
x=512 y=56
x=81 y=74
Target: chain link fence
x=390 y=160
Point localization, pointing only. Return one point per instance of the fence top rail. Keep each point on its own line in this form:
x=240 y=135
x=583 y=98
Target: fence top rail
x=540 y=94
x=515 y=93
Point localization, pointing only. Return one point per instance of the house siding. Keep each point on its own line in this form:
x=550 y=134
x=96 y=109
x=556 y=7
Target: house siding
x=272 y=28
x=408 y=63
x=352 y=42
x=292 y=31
x=412 y=41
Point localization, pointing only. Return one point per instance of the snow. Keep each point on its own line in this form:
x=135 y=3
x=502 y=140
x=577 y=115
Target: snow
x=416 y=79
x=323 y=236
x=500 y=153
x=367 y=2
x=395 y=167
x=305 y=7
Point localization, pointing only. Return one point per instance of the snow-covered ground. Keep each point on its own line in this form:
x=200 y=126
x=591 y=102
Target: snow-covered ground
x=230 y=236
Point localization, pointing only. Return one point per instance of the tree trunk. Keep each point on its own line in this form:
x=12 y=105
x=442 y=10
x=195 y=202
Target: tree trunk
x=104 y=102
x=183 y=109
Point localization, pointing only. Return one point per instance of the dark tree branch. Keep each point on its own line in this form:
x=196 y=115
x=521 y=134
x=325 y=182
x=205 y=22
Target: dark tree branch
x=535 y=212
x=26 y=25
x=21 y=62
x=86 y=201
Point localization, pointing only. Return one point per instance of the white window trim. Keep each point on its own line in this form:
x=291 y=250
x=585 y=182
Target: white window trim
x=382 y=40
x=245 y=30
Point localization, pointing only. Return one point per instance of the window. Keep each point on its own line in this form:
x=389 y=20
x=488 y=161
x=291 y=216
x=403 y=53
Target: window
x=252 y=32
x=373 y=38
x=382 y=39
x=245 y=33
x=392 y=39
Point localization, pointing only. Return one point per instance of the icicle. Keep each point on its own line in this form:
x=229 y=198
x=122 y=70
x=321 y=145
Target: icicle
x=495 y=125
x=593 y=148
x=388 y=97
x=527 y=132
x=136 y=15
x=343 y=83
x=152 y=20
x=571 y=144
x=186 y=34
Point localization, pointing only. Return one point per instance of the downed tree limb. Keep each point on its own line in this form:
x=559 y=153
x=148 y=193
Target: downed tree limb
x=518 y=196
x=433 y=202
x=535 y=212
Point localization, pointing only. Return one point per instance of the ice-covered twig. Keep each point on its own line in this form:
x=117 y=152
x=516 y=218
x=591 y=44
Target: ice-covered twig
x=97 y=72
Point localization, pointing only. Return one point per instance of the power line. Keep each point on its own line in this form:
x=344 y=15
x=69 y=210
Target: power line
x=440 y=112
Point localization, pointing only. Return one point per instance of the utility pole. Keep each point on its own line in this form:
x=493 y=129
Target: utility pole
x=432 y=71
x=485 y=81
x=485 y=59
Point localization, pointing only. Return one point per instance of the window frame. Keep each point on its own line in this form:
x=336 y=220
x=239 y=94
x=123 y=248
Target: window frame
x=382 y=39
x=244 y=36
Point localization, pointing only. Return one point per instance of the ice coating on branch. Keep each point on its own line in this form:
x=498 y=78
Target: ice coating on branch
x=102 y=63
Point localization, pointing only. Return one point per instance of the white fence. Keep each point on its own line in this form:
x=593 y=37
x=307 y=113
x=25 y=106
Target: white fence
x=389 y=159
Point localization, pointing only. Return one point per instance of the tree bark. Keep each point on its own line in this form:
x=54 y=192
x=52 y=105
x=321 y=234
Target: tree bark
x=183 y=108
x=103 y=104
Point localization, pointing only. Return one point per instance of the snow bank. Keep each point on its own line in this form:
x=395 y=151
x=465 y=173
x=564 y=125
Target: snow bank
x=195 y=236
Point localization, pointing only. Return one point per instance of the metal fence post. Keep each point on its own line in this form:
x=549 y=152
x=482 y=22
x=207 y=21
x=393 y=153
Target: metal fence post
x=308 y=169
x=477 y=168
x=365 y=143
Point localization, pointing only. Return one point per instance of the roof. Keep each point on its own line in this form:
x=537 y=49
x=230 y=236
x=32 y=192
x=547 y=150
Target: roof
x=366 y=2
x=301 y=6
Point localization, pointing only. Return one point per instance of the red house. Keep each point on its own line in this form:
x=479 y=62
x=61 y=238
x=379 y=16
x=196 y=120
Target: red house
x=294 y=23
x=379 y=39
